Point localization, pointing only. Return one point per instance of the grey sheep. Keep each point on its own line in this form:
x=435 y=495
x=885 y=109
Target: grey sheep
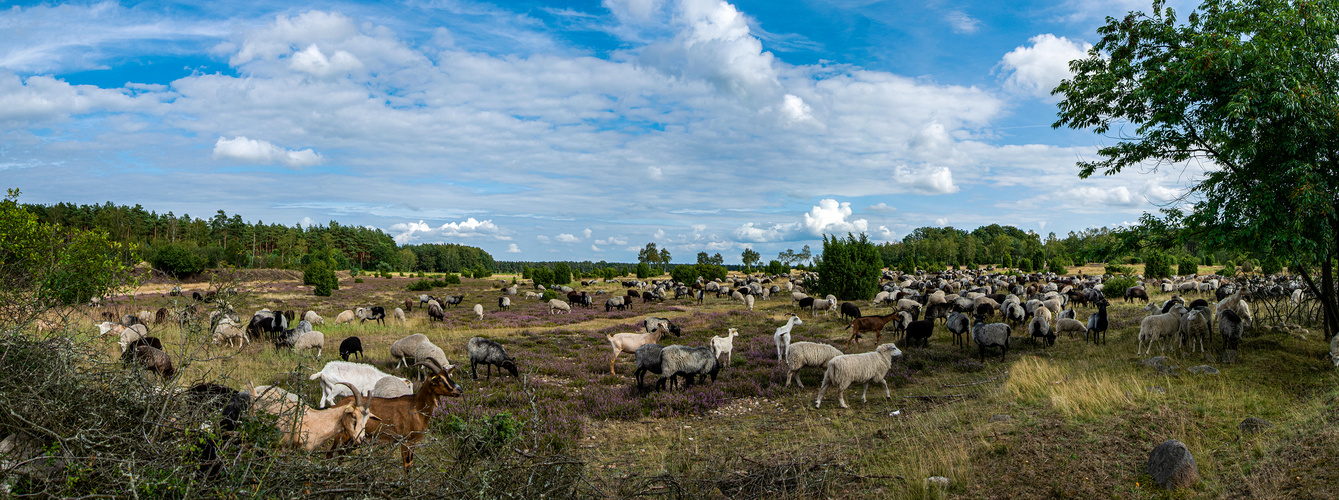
x=1195 y=326
x=991 y=335
x=863 y=368
x=391 y=387
x=427 y=350
x=686 y=362
x=489 y=353
x=959 y=325
x=1230 y=325
x=1070 y=326
x=403 y=350
x=803 y=354
x=648 y=360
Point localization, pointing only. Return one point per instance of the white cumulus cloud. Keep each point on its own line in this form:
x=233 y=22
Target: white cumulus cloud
x=566 y=238
x=470 y=228
x=655 y=173
x=263 y=152
x=312 y=61
x=512 y=248
x=1038 y=68
x=828 y=217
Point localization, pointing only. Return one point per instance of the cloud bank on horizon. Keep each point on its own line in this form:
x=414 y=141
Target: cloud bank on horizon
x=545 y=131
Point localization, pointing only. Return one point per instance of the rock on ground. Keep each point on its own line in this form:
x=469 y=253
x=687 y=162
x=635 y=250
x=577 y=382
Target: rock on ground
x=1172 y=465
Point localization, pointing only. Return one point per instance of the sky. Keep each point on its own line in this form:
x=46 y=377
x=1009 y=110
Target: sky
x=546 y=130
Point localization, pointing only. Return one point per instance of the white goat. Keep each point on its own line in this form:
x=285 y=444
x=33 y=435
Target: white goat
x=782 y=337
x=725 y=345
x=362 y=376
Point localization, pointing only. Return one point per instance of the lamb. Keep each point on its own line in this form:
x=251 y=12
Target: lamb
x=864 y=368
x=479 y=311
x=310 y=340
x=402 y=350
x=629 y=342
x=490 y=354
x=1070 y=326
x=503 y=303
x=648 y=360
x=687 y=362
x=804 y=354
x=920 y=331
x=349 y=347
x=345 y=317
x=427 y=351
x=313 y=318
x=363 y=377
x=782 y=336
x=1230 y=325
x=959 y=325
x=1160 y=326
x=1195 y=326
x=556 y=306
x=724 y=345
x=392 y=387
x=399 y=315
x=992 y=335
x=1097 y=324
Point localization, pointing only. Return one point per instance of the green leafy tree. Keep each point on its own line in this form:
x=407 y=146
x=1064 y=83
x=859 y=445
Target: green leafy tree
x=542 y=276
x=850 y=268
x=1188 y=266
x=1156 y=265
x=750 y=257
x=562 y=274
x=322 y=278
x=1025 y=265
x=177 y=260
x=684 y=273
x=1058 y=265
x=775 y=267
x=1249 y=86
x=643 y=270
x=1008 y=260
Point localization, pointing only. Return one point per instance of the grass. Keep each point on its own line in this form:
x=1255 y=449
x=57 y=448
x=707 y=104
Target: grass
x=1065 y=421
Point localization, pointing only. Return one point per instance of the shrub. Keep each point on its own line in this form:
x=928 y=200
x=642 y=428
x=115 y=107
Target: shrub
x=775 y=267
x=357 y=280
x=1247 y=266
x=1188 y=266
x=1058 y=265
x=1229 y=269
x=542 y=276
x=1008 y=260
x=550 y=295
x=319 y=275
x=449 y=279
x=643 y=271
x=1119 y=269
x=1025 y=265
x=1271 y=266
x=562 y=274
x=1208 y=259
x=1157 y=266
x=1114 y=288
x=177 y=260
x=420 y=286
x=850 y=268
x=684 y=274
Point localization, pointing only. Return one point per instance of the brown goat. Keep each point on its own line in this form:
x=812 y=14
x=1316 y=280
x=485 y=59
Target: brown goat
x=868 y=324
x=404 y=420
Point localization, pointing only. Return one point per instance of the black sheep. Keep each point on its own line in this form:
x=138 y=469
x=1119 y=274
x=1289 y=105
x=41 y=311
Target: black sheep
x=350 y=346
x=919 y=332
x=807 y=303
x=1097 y=324
x=376 y=313
x=850 y=311
x=130 y=352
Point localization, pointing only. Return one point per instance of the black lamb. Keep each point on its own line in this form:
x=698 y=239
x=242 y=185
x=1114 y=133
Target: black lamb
x=350 y=346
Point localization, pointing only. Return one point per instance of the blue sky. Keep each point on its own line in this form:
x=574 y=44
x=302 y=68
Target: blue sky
x=567 y=130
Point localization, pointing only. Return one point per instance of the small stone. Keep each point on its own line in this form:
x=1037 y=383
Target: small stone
x=1000 y=418
x=1172 y=465
x=1203 y=370
x=1253 y=425
x=1159 y=390
x=939 y=481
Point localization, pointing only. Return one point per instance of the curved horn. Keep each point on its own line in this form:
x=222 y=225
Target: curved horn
x=357 y=396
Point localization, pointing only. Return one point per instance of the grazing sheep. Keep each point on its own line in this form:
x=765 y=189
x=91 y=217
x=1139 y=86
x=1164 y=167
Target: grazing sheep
x=531 y=295
x=160 y=316
x=127 y=334
x=1070 y=326
x=556 y=306
x=479 y=311
x=804 y=354
x=1040 y=326
x=313 y=318
x=155 y=360
x=392 y=387
x=435 y=313
x=992 y=335
x=824 y=305
x=1159 y=327
x=503 y=303
x=489 y=353
x=1230 y=325
x=863 y=368
x=1067 y=314
x=651 y=322
x=629 y=342
x=724 y=345
x=959 y=325
x=648 y=360
x=375 y=313
x=228 y=330
x=1136 y=292
x=344 y=317
x=782 y=336
x=427 y=351
x=748 y=302
x=350 y=346
x=850 y=311
x=1195 y=326
x=1097 y=324
x=409 y=304
x=403 y=350
x=920 y=331
x=310 y=340
x=399 y=315
x=686 y=362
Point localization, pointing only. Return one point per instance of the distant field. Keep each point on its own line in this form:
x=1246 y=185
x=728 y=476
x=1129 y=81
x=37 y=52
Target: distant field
x=1072 y=420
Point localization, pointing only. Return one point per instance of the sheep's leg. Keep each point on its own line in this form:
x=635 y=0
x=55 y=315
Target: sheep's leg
x=841 y=395
x=821 y=389
x=887 y=394
x=864 y=393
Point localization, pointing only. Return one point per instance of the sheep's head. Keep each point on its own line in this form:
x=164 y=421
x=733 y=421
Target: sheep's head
x=890 y=349
x=510 y=366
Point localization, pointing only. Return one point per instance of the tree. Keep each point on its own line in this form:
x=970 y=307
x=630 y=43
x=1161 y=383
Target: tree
x=776 y=268
x=562 y=274
x=177 y=260
x=850 y=268
x=703 y=258
x=542 y=276
x=1188 y=266
x=649 y=254
x=1157 y=266
x=664 y=256
x=750 y=257
x=643 y=271
x=321 y=277
x=1248 y=86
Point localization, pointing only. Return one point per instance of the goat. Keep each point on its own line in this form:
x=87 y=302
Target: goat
x=404 y=420
x=724 y=345
x=782 y=337
x=317 y=426
x=629 y=342
x=362 y=376
x=868 y=324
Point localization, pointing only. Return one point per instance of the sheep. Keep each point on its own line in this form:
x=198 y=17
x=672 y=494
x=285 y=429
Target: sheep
x=629 y=342
x=531 y=295
x=479 y=311
x=991 y=335
x=1136 y=292
x=503 y=303
x=556 y=306
x=1067 y=314
x=350 y=346
x=435 y=312
x=1230 y=326
x=404 y=420
x=345 y=317
x=1040 y=326
x=155 y=360
x=806 y=303
x=959 y=325
x=409 y=304
x=748 y=302
x=920 y=331
x=399 y=315
x=391 y=387
x=318 y=426
x=310 y=340
x=426 y=351
x=375 y=313
x=648 y=360
x=132 y=350
x=489 y=353
x=687 y=362
x=1097 y=324
x=651 y=322
x=864 y=368
x=1195 y=326
x=870 y=324
x=228 y=330
x=289 y=338
x=849 y=310
x=803 y=354
x=361 y=375
x=160 y=316
x=724 y=345
x=313 y=318
x=880 y=298
x=403 y=349
x=782 y=336
x=127 y=334
x=1070 y=326
x=824 y=305
x=1158 y=327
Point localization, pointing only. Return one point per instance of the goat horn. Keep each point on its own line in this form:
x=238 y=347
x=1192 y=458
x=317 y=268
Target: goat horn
x=357 y=396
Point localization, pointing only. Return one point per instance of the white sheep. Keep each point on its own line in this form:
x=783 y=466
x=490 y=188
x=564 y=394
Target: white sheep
x=1160 y=326
x=782 y=337
x=866 y=367
x=229 y=330
x=531 y=295
x=399 y=315
x=825 y=305
x=313 y=318
x=403 y=350
x=1195 y=326
x=392 y=387
x=803 y=354
x=427 y=350
x=127 y=334
x=725 y=345
x=629 y=342
x=479 y=311
x=344 y=317
x=310 y=340
x=748 y=302
x=1069 y=325
x=556 y=306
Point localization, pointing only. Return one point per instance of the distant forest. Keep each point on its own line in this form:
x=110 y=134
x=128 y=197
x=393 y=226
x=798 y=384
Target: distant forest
x=188 y=244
